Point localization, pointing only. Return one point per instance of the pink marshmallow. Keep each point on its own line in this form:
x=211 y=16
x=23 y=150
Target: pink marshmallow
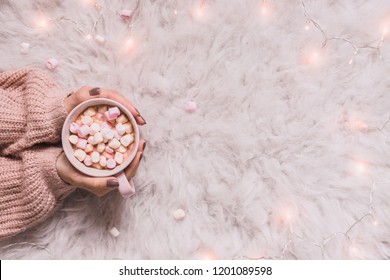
x=108 y=116
x=114 y=112
x=88 y=161
x=81 y=143
x=74 y=127
x=109 y=150
x=125 y=14
x=111 y=163
x=52 y=63
x=99 y=116
x=84 y=130
x=190 y=106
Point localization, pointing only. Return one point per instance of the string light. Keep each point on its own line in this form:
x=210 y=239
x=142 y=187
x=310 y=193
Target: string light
x=356 y=48
x=264 y=7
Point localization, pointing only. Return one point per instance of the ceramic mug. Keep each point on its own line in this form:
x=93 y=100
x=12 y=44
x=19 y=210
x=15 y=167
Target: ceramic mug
x=126 y=188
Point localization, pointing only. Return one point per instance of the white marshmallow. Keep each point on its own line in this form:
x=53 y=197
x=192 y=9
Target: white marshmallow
x=118 y=158
x=80 y=154
x=103 y=161
x=122 y=119
x=87 y=120
x=84 y=131
x=120 y=128
x=129 y=127
x=95 y=156
x=24 y=48
x=114 y=143
x=100 y=147
x=74 y=127
x=114 y=232
x=98 y=138
x=127 y=140
x=179 y=214
x=122 y=149
x=109 y=150
x=95 y=127
x=100 y=39
x=90 y=112
x=88 y=148
x=91 y=140
x=111 y=163
x=52 y=64
x=81 y=143
x=108 y=133
x=88 y=161
x=73 y=139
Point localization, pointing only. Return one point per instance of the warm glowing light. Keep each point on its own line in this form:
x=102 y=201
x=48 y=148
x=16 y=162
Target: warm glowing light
x=175 y=12
x=264 y=8
x=357 y=124
x=88 y=36
x=41 y=23
x=359 y=166
x=375 y=223
x=208 y=254
x=307 y=27
x=350 y=61
x=311 y=58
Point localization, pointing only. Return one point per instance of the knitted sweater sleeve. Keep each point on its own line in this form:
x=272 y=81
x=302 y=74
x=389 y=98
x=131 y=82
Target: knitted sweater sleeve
x=30 y=189
x=31 y=110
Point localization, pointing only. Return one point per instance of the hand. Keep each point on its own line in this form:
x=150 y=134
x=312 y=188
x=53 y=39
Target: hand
x=103 y=185
x=96 y=185
x=87 y=92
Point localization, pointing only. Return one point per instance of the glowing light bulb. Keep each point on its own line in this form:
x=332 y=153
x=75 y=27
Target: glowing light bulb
x=350 y=61
x=375 y=223
x=88 y=36
x=208 y=254
x=264 y=8
x=307 y=27
x=175 y=12
x=42 y=23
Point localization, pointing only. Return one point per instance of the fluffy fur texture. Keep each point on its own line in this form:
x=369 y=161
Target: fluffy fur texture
x=275 y=159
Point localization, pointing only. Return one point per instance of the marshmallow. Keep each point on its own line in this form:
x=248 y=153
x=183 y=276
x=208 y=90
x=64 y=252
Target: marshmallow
x=107 y=133
x=122 y=119
x=95 y=156
x=107 y=155
x=98 y=138
x=179 y=214
x=101 y=147
x=108 y=116
x=88 y=161
x=84 y=131
x=24 y=48
x=127 y=140
x=100 y=39
x=99 y=116
x=129 y=127
x=74 y=127
x=81 y=143
x=118 y=157
x=102 y=109
x=86 y=120
x=109 y=150
x=96 y=165
x=91 y=140
x=114 y=143
x=190 y=106
x=73 y=139
x=120 y=128
x=80 y=154
x=90 y=112
x=122 y=149
x=114 y=112
x=52 y=64
x=88 y=148
x=111 y=163
x=95 y=127
x=116 y=135
x=125 y=14
x=114 y=232
x=103 y=161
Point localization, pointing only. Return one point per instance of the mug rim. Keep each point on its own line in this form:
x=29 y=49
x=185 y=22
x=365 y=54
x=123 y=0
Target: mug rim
x=69 y=151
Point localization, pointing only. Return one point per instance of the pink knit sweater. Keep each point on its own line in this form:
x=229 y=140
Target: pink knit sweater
x=31 y=118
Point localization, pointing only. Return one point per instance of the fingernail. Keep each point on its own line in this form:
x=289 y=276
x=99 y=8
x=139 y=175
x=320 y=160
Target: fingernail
x=142 y=119
x=94 y=91
x=143 y=147
x=139 y=115
x=140 y=157
x=112 y=183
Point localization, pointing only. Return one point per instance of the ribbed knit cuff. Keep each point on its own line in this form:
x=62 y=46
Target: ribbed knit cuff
x=46 y=159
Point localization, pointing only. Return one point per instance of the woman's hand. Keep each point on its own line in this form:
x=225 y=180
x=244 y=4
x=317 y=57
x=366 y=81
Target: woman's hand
x=98 y=185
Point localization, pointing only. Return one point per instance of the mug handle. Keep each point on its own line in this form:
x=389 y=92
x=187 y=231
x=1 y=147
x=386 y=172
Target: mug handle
x=126 y=188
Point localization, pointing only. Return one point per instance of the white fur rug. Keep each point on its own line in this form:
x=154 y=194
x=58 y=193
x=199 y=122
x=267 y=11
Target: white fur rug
x=287 y=155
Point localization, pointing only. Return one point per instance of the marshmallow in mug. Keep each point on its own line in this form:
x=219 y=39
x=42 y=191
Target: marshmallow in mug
x=101 y=137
